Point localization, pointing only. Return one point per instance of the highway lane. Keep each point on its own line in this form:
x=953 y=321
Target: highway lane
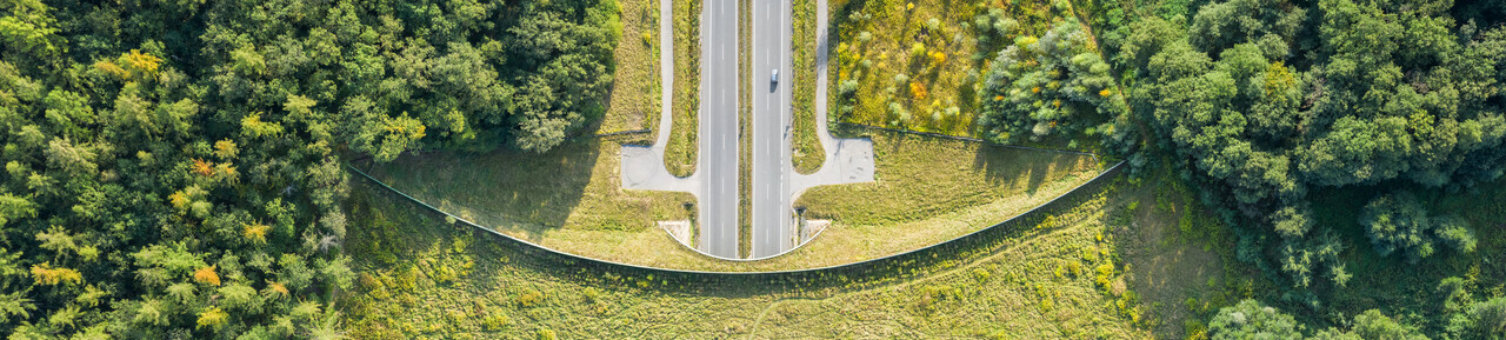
x=718 y=129
x=773 y=221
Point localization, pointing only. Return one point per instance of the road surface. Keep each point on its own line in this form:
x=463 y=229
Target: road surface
x=773 y=219
x=775 y=184
x=718 y=129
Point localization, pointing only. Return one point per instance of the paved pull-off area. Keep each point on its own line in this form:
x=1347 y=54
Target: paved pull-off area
x=775 y=184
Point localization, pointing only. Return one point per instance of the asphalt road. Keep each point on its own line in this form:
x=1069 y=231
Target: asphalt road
x=773 y=220
x=718 y=129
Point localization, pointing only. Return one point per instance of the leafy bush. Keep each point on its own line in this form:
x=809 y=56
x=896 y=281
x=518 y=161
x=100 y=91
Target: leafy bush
x=1399 y=223
x=1251 y=320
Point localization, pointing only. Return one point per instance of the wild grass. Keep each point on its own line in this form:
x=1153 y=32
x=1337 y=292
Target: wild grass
x=423 y=278
x=920 y=177
x=680 y=154
x=918 y=64
x=634 y=99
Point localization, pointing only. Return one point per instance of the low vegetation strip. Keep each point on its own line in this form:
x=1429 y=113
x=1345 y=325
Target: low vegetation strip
x=1038 y=215
x=808 y=153
x=680 y=154
x=634 y=103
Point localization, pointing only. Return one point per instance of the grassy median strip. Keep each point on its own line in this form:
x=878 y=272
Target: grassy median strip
x=808 y=154
x=680 y=154
x=634 y=100
x=744 y=125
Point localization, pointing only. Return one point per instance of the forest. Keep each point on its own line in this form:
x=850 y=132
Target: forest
x=1270 y=104
x=1267 y=104
x=174 y=169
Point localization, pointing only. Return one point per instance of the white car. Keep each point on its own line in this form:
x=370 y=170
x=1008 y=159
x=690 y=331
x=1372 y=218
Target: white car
x=774 y=78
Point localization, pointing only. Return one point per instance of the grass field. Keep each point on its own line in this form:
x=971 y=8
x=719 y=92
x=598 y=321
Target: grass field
x=423 y=278
x=680 y=154
x=634 y=101
x=913 y=62
x=807 y=151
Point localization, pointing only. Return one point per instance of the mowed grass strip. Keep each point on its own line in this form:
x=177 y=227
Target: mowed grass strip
x=570 y=199
x=808 y=154
x=634 y=100
x=420 y=277
x=680 y=154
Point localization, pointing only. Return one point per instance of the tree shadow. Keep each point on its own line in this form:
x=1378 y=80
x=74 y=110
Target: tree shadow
x=520 y=193
x=1003 y=165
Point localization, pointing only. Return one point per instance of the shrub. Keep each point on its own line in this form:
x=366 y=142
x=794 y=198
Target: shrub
x=1398 y=222
x=1251 y=320
x=530 y=298
x=1039 y=86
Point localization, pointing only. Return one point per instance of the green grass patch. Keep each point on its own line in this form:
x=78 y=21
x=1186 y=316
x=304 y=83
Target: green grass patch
x=808 y=154
x=680 y=154
x=921 y=177
x=634 y=99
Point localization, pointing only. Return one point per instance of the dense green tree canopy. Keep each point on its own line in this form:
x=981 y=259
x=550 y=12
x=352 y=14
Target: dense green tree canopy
x=1270 y=100
x=174 y=169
